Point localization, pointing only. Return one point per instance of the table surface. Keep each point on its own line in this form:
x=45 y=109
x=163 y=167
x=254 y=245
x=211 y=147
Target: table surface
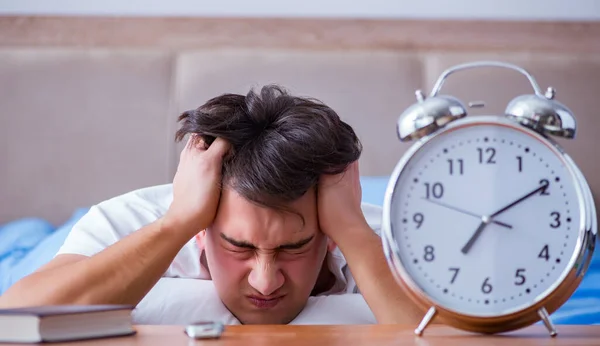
x=289 y=335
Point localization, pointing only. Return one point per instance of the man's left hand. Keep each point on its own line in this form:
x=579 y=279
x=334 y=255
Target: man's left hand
x=341 y=218
x=339 y=204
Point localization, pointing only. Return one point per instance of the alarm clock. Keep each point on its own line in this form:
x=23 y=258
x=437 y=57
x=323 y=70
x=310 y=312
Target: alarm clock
x=488 y=224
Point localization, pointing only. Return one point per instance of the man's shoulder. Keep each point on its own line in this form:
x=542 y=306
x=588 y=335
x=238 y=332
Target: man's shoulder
x=125 y=213
x=157 y=198
x=113 y=219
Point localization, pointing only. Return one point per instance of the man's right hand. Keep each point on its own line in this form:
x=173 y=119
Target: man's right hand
x=148 y=252
x=196 y=186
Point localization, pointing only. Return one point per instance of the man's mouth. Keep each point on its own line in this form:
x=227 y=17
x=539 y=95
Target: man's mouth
x=264 y=303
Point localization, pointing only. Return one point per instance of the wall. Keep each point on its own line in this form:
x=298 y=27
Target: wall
x=431 y=9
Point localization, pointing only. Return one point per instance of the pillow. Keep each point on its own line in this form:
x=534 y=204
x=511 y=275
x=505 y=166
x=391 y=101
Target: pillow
x=42 y=253
x=183 y=300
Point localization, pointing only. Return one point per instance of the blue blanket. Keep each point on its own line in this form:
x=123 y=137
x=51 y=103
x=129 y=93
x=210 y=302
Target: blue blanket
x=27 y=244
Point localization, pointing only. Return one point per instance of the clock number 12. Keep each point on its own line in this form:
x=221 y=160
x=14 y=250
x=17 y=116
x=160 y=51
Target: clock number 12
x=488 y=157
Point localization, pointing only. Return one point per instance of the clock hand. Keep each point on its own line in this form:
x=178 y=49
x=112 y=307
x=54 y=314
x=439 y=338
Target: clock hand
x=484 y=222
x=541 y=188
x=500 y=223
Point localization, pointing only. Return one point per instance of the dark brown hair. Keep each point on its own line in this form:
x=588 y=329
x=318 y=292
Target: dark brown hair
x=281 y=144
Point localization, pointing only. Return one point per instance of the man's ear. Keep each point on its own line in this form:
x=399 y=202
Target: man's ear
x=201 y=239
x=331 y=245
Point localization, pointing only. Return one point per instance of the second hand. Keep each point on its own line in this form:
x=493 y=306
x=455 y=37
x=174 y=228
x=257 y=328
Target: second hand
x=499 y=223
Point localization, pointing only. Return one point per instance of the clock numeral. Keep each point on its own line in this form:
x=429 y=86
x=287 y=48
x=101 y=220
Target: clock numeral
x=544 y=253
x=486 y=287
x=436 y=190
x=428 y=256
x=555 y=219
x=520 y=278
x=460 y=164
x=520 y=159
x=489 y=155
x=418 y=218
x=455 y=270
x=546 y=185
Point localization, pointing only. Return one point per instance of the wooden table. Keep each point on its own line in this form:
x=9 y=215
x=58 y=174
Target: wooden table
x=286 y=335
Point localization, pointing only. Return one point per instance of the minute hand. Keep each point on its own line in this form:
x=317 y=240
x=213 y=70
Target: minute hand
x=541 y=188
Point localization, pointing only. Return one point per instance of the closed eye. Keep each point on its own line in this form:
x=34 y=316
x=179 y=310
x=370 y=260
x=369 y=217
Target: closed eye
x=239 y=250
x=296 y=252
x=297 y=246
x=240 y=254
x=238 y=244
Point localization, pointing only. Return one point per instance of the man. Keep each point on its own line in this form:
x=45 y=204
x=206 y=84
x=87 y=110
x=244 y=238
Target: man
x=265 y=206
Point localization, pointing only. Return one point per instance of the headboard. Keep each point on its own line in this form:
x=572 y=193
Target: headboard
x=83 y=123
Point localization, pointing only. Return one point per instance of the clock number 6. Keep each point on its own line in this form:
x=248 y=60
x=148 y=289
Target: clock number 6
x=486 y=287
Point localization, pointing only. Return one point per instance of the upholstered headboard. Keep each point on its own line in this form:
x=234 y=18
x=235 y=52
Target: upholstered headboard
x=82 y=124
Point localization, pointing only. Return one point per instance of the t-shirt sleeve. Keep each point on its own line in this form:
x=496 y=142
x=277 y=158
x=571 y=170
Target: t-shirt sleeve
x=105 y=224
x=90 y=235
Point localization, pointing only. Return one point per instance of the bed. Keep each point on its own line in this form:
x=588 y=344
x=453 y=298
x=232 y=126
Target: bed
x=80 y=125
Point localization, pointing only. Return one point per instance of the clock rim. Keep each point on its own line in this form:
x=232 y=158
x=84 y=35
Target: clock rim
x=552 y=297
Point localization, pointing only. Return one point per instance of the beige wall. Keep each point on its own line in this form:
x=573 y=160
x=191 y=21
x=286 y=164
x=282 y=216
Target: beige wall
x=82 y=122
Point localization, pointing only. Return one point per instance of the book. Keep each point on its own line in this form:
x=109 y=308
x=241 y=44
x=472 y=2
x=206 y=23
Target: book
x=65 y=323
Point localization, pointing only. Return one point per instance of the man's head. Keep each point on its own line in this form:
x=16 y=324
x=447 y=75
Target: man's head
x=264 y=250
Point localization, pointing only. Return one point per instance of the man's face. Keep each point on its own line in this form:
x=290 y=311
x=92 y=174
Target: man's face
x=264 y=263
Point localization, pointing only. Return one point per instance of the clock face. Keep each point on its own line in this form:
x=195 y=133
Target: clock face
x=486 y=219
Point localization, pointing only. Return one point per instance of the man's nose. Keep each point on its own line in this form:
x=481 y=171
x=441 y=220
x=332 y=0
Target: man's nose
x=266 y=276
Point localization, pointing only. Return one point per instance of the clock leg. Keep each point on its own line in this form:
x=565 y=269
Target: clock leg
x=547 y=321
x=426 y=320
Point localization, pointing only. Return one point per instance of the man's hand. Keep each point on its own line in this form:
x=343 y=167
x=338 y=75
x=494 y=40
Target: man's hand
x=341 y=218
x=197 y=185
x=148 y=252
x=339 y=199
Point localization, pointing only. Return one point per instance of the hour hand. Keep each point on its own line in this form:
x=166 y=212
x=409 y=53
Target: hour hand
x=499 y=223
x=484 y=222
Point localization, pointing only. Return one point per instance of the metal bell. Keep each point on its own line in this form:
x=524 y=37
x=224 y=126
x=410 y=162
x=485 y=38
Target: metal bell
x=543 y=114
x=428 y=115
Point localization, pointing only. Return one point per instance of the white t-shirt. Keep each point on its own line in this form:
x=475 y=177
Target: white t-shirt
x=185 y=293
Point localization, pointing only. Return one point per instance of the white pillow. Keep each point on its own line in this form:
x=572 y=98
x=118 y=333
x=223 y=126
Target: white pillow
x=182 y=301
